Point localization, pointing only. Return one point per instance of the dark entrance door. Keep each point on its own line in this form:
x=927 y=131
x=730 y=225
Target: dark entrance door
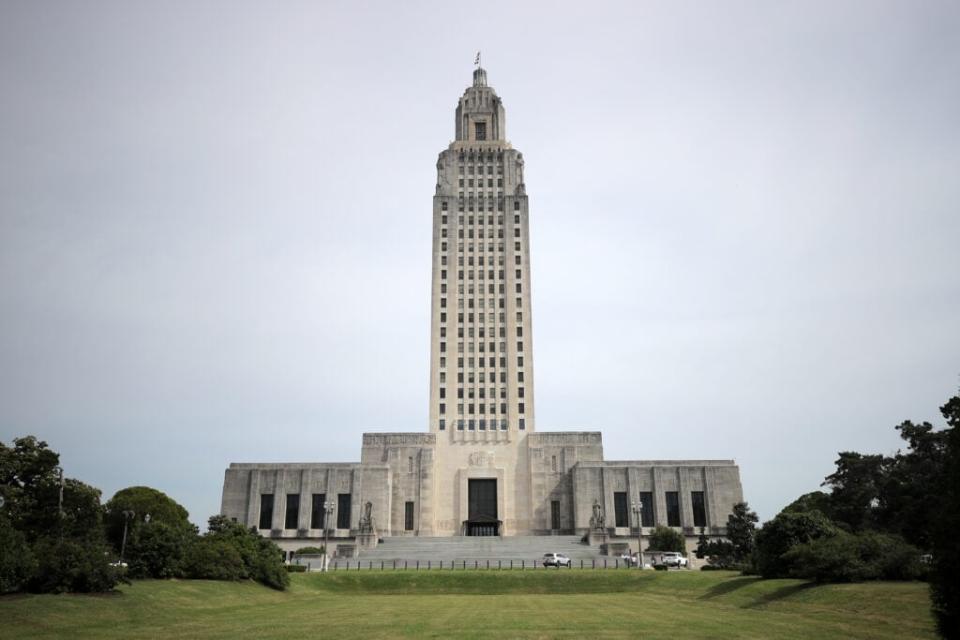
x=482 y=508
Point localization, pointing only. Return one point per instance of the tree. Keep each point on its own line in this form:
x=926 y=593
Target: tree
x=74 y=564
x=155 y=548
x=813 y=501
x=666 y=539
x=856 y=486
x=785 y=531
x=906 y=505
x=944 y=583
x=158 y=550
x=742 y=531
x=17 y=563
x=262 y=559
x=142 y=501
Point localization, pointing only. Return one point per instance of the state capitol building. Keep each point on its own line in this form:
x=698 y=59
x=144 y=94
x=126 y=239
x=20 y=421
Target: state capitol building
x=482 y=468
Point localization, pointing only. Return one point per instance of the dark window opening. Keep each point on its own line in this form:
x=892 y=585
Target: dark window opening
x=554 y=514
x=699 y=509
x=620 y=509
x=343 y=511
x=408 y=516
x=481 y=130
x=317 y=513
x=266 y=511
x=293 y=511
x=673 y=509
x=646 y=511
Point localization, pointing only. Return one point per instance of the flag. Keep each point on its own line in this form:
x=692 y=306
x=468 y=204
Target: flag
x=477 y=61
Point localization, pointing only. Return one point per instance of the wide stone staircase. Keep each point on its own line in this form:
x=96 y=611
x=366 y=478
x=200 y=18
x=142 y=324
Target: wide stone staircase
x=527 y=550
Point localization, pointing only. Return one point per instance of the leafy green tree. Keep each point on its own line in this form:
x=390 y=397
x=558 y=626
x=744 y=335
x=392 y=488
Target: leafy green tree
x=855 y=489
x=907 y=506
x=211 y=558
x=142 y=501
x=262 y=559
x=158 y=550
x=666 y=539
x=742 y=531
x=848 y=557
x=944 y=581
x=17 y=563
x=73 y=565
x=785 y=531
x=813 y=501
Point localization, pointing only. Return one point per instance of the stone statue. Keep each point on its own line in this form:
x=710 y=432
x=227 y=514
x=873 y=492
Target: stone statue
x=366 y=519
x=597 y=521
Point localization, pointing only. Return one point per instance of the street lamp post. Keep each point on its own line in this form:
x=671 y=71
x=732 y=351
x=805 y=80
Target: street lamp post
x=638 y=514
x=128 y=515
x=327 y=512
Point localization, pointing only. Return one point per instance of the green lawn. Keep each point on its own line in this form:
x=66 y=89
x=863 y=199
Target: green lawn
x=480 y=604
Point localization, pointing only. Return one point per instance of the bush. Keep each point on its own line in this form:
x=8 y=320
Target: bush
x=310 y=551
x=784 y=532
x=846 y=557
x=77 y=565
x=262 y=559
x=666 y=539
x=711 y=567
x=660 y=567
x=214 y=559
x=17 y=563
x=158 y=550
x=296 y=568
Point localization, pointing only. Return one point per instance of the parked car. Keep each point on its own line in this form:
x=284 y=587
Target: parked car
x=555 y=560
x=674 y=559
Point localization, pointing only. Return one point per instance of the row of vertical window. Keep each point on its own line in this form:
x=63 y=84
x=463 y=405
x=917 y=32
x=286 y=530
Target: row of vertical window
x=470 y=361
x=482 y=424
x=672 y=502
x=291 y=519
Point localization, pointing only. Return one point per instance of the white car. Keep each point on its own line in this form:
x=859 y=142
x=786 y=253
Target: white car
x=555 y=560
x=674 y=559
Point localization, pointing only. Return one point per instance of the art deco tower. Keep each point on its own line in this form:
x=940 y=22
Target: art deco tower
x=481 y=361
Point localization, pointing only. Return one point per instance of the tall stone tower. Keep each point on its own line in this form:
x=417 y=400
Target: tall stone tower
x=481 y=364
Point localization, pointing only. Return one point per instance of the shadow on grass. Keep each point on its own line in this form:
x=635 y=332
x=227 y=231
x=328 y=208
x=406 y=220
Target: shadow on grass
x=780 y=594
x=729 y=586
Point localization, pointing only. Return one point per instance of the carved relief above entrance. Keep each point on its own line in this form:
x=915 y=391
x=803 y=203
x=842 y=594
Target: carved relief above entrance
x=481 y=459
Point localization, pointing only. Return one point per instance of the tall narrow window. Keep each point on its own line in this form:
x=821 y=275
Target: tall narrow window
x=620 y=509
x=293 y=511
x=699 y=509
x=266 y=511
x=481 y=130
x=554 y=514
x=317 y=514
x=673 y=509
x=646 y=511
x=408 y=516
x=343 y=511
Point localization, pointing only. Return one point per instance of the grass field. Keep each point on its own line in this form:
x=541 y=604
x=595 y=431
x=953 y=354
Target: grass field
x=479 y=604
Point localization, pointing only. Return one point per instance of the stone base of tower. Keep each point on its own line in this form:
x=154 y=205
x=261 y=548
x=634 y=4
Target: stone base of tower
x=431 y=484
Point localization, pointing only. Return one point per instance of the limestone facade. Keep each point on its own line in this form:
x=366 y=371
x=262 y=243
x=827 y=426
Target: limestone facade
x=481 y=420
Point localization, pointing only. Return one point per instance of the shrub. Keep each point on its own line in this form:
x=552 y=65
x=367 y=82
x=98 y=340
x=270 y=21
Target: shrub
x=79 y=565
x=262 y=559
x=296 y=568
x=846 y=557
x=214 y=559
x=666 y=539
x=711 y=567
x=785 y=531
x=310 y=551
x=157 y=550
x=17 y=562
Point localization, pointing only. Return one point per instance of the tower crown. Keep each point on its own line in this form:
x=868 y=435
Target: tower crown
x=480 y=115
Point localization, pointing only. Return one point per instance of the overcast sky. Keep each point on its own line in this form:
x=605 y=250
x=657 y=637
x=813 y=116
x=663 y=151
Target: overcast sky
x=215 y=226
